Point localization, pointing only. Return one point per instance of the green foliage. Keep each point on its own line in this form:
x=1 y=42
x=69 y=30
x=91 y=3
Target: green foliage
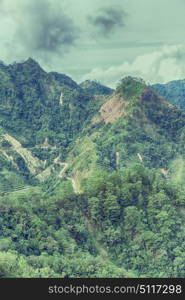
x=135 y=211
x=131 y=87
x=125 y=224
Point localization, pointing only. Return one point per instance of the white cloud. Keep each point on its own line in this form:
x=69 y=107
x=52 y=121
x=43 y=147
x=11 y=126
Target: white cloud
x=163 y=65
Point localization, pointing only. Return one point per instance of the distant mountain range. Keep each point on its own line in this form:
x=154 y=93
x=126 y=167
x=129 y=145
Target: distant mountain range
x=173 y=91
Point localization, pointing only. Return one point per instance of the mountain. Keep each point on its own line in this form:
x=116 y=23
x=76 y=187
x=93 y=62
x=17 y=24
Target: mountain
x=40 y=104
x=173 y=91
x=134 y=119
x=91 y=182
x=95 y=88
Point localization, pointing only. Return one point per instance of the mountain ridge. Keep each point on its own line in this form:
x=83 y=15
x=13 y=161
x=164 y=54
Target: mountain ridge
x=95 y=88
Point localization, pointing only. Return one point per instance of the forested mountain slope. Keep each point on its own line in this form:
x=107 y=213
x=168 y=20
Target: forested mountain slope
x=91 y=182
x=134 y=124
x=40 y=104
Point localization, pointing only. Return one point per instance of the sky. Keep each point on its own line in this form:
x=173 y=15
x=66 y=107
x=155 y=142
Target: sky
x=96 y=39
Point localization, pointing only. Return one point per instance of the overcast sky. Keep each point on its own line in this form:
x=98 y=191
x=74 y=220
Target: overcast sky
x=96 y=39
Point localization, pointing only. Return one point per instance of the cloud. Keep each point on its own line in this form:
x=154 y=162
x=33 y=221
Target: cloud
x=163 y=65
x=42 y=27
x=108 y=20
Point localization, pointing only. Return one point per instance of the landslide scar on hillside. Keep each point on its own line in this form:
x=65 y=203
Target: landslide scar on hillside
x=113 y=109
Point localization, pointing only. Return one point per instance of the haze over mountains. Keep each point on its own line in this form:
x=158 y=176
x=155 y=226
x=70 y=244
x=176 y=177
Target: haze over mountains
x=91 y=174
x=174 y=91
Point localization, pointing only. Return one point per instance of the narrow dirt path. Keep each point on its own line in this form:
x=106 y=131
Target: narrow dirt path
x=62 y=172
